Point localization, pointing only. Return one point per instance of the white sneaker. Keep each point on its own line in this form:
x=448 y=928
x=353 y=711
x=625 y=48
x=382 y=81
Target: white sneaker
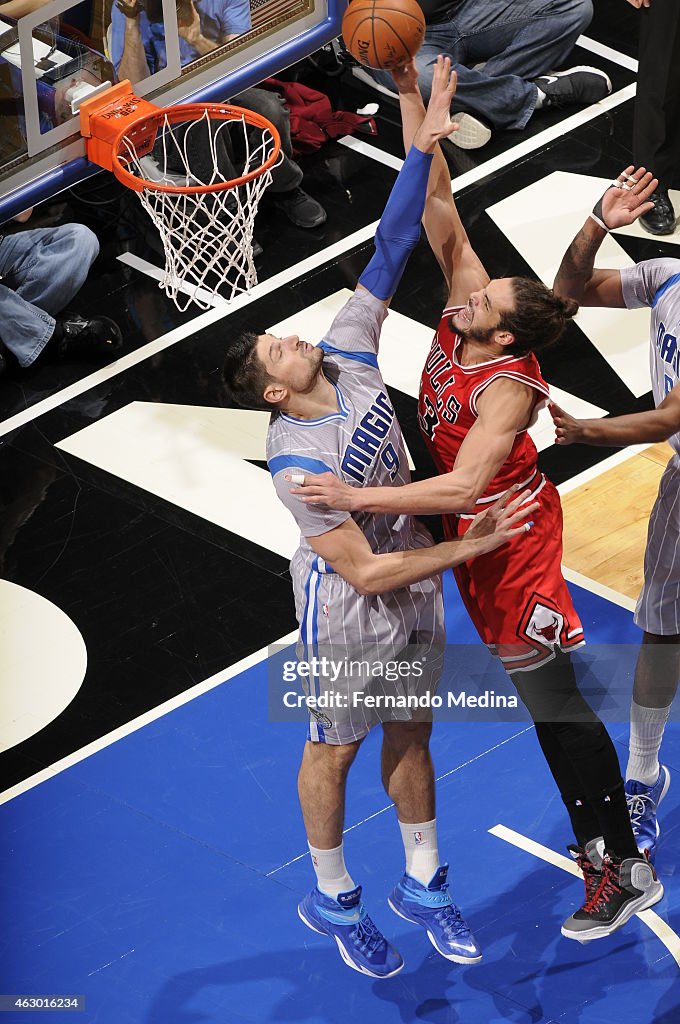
x=472 y=133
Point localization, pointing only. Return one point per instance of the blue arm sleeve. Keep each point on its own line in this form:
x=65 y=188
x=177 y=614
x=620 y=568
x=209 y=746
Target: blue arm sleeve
x=399 y=227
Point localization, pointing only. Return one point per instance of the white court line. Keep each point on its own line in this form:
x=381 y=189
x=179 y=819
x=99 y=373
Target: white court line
x=586 y=583
x=581 y=117
x=662 y=930
x=149 y=716
x=366 y=149
x=205 y=319
x=601 y=467
x=387 y=807
x=615 y=56
x=522 y=149
x=339 y=248
x=79 y=387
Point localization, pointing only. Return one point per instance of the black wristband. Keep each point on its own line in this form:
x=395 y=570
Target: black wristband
x=597 y=213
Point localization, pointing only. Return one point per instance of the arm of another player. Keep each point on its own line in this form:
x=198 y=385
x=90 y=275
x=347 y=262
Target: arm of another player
x=618 y=431
x=357 y=326
x=620 y=205
x=399 y=227
x=445 y=232
x=348 y=551
x=503 y=408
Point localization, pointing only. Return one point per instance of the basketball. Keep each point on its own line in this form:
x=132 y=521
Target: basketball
x=383 y=34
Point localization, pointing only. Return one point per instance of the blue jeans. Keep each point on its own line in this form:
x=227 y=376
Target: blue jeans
x=40 y=272
x=518 y=39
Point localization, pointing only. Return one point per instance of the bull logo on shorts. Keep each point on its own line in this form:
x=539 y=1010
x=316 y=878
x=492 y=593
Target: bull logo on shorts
x=545 y=625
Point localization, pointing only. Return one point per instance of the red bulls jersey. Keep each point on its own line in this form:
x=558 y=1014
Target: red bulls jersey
x=516 y=595
x=447 y=407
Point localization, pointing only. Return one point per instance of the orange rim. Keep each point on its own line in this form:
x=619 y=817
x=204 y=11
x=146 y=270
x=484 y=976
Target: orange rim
x=190 y=112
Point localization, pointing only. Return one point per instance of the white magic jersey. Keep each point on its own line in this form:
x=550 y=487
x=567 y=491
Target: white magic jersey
x=362 y=444
x=656 y=283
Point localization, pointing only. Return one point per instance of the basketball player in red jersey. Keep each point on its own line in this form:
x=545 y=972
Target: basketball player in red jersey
x=480 y=391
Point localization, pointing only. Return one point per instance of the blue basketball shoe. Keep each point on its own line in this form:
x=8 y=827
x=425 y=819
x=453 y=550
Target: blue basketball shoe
x=433 y=909
x=643 y=802
x=362 y=945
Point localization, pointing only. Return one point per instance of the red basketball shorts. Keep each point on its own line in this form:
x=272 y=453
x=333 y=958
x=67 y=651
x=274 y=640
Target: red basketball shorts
x=516 y=595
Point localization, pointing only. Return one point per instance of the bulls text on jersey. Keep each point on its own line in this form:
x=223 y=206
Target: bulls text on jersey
x=439 y=369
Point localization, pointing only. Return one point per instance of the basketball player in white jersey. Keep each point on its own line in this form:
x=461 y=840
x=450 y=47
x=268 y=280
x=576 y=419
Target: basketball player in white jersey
x=365 y=585
x=654 y=283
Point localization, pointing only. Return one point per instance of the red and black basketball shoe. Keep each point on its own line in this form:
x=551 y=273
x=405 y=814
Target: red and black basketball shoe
x=625 y=888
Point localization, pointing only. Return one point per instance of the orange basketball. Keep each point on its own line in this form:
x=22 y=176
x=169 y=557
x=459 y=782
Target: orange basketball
x=383 y=33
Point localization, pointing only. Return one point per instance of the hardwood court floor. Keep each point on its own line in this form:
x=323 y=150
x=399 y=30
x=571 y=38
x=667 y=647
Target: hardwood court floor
x=606 y=519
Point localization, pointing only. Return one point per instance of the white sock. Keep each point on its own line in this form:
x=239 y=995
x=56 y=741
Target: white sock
x=540 y=99
x=646 y=732
x=332 y=876
x=420 y=847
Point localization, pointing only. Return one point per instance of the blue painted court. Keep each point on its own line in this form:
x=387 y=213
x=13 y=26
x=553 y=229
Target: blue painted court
x=159 y=878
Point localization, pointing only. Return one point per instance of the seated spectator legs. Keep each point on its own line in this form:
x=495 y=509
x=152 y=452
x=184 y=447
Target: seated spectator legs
x=285 y=189
x=530 y=38
x=41 y=271
x=517 y=45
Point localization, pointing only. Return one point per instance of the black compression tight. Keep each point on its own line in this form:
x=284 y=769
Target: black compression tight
x=580 y=755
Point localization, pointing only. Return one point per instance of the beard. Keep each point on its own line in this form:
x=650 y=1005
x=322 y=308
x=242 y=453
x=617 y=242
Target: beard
x=315 y=370
x=462 y=321
x=478 y=334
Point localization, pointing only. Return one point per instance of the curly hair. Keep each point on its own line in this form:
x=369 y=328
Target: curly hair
x=538 y=319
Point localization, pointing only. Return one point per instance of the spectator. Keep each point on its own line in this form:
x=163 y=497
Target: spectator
x=520 y=41
x=138 y=32
x=656 y=126
x=138 y=50
x=40 y=272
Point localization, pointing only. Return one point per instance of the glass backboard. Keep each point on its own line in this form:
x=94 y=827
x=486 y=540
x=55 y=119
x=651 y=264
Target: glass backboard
x=55 y=54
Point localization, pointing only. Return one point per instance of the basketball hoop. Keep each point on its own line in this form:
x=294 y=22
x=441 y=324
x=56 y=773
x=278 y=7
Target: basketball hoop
x=174 y=159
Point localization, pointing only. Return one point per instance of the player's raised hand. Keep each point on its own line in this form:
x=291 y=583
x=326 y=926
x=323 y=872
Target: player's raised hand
x=323 y=489
x=437 y=123
x=568 y=430
x=406 y=77
x=630 y=199
x=506 y=518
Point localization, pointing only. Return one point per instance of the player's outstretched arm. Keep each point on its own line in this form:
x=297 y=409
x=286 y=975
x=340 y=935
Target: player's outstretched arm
x=348 y=551
x=625 y=200
x=445 y=232
x=618 y=431
x=504 y=407
x=399 y=227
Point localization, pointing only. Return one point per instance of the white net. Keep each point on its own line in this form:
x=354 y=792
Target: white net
x=207 y=236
